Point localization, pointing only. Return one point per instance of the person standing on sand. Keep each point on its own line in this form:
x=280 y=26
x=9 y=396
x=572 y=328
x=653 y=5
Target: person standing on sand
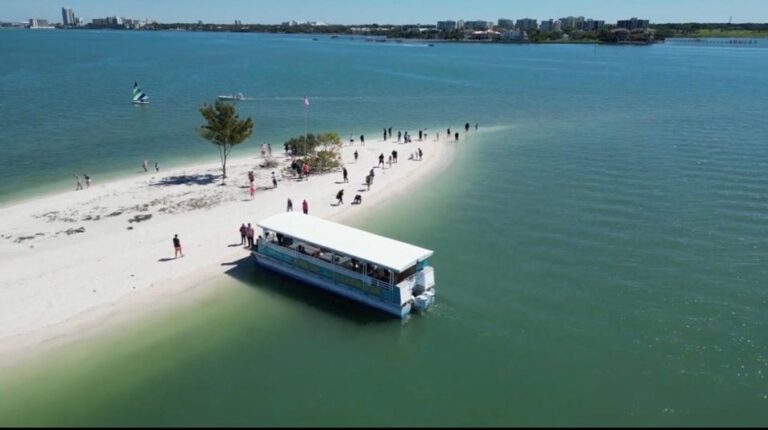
x=466 y=127
x=399 y=135
x=305 y=207
x=420 y=134
x=389 y=161
x=87 y=180
x=344 y=173
x=385 y=134
x=381 y=160
x=305 y=168
x=394 y=156
x=340 y=197
x=420 y=154
x=251 y=177
x=177 y=246
x=289 y=206
x=243 y=232
x=157 y=167
x=368 y=180
x=448 y=132
x=252 y=190
x=371 y=173
x=274 y=180
x=355 y=155
x=362 y=140
x=390 y=132
x=249 y=235
x=456 y=136
x=269 y=149
x=144 y=165
x=79 y=185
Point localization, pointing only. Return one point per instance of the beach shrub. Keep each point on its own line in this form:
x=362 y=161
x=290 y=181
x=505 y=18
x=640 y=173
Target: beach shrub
x=322 y=152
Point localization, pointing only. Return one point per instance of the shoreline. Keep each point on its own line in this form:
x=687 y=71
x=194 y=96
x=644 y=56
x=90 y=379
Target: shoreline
x=114 y=272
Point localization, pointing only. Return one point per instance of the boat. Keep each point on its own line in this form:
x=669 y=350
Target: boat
x=432 y=45
x=377 y=271
x=139 y=97
x=238 y=96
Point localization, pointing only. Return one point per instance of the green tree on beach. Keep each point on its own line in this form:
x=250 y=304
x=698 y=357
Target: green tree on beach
x=225 y=129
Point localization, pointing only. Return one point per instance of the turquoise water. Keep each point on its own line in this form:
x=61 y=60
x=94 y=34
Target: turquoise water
x=599 y=247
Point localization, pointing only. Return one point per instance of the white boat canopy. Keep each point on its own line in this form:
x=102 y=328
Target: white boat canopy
x=386 y=252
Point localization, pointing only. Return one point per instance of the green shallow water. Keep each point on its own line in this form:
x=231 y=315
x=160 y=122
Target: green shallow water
x=599 y=251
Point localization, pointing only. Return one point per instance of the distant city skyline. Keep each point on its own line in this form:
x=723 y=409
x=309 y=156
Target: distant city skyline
x=387 y=11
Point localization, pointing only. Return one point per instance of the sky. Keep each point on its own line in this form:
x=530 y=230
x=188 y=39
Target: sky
x=388 y=11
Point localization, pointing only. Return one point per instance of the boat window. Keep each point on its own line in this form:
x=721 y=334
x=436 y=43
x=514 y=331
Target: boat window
x=402 y=276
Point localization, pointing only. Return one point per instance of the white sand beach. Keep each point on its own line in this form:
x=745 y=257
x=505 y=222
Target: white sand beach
x=73 y=262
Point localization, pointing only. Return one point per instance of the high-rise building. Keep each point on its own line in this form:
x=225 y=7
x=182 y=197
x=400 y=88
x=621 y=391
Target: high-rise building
x=572 y=23
x=633 y=24
x=527 y=24
x=478 y=25
x=593 y=25
x=446 y=25
x=460 y=24
x=546 y=25
x=68 y=18
x=38 y=23
x=506 y=24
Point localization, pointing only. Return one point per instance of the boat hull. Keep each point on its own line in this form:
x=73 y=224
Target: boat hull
x=292 y=272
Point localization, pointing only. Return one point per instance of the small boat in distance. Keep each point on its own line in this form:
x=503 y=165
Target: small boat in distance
x=238 y=96
x=139 y=97
x=383 y=273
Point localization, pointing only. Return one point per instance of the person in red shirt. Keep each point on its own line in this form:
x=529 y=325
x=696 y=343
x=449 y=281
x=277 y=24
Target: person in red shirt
x=305 y=168
x=305 y=207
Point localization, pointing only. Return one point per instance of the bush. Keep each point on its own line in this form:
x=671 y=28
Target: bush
x=321 y=151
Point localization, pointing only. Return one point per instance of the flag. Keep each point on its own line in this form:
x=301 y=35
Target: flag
x=306 y=101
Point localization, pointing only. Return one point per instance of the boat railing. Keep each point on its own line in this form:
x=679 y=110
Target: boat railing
x=322 y=263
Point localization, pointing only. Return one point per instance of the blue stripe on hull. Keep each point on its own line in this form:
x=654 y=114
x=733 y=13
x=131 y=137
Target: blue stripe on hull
x=398 y=311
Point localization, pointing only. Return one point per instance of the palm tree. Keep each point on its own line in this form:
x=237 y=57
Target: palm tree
x=224 y=129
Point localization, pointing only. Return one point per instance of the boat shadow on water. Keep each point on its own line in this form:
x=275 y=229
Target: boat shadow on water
x=248 y=272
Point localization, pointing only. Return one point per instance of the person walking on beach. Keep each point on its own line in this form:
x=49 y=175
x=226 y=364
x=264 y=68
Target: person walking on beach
x=289 y=206
x=157 y=167
x=87 y=180
x=355 y=155
x=243 y=232
x=177 y=246
x=390 y=132
x=344 y=173
x=381 y=160
x=249 y=235
x=305 y=168
x=305 y=207
x=250 y=177
x=420 y=154
x=466 y=127
x=448 y=132
x=456 y=136
x=362 y=140
x=252 y=190
x=394 y=156
x=368 y=181
x=389 y=161
x=371 y=173
x=420 y=135
x=144 y=165
x=385 y=134
x=399 y=135
x=340 y=197
x=79 y=185
x=274 y=180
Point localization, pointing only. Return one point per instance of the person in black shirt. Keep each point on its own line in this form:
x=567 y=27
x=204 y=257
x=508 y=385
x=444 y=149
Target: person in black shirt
x=177 y=246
